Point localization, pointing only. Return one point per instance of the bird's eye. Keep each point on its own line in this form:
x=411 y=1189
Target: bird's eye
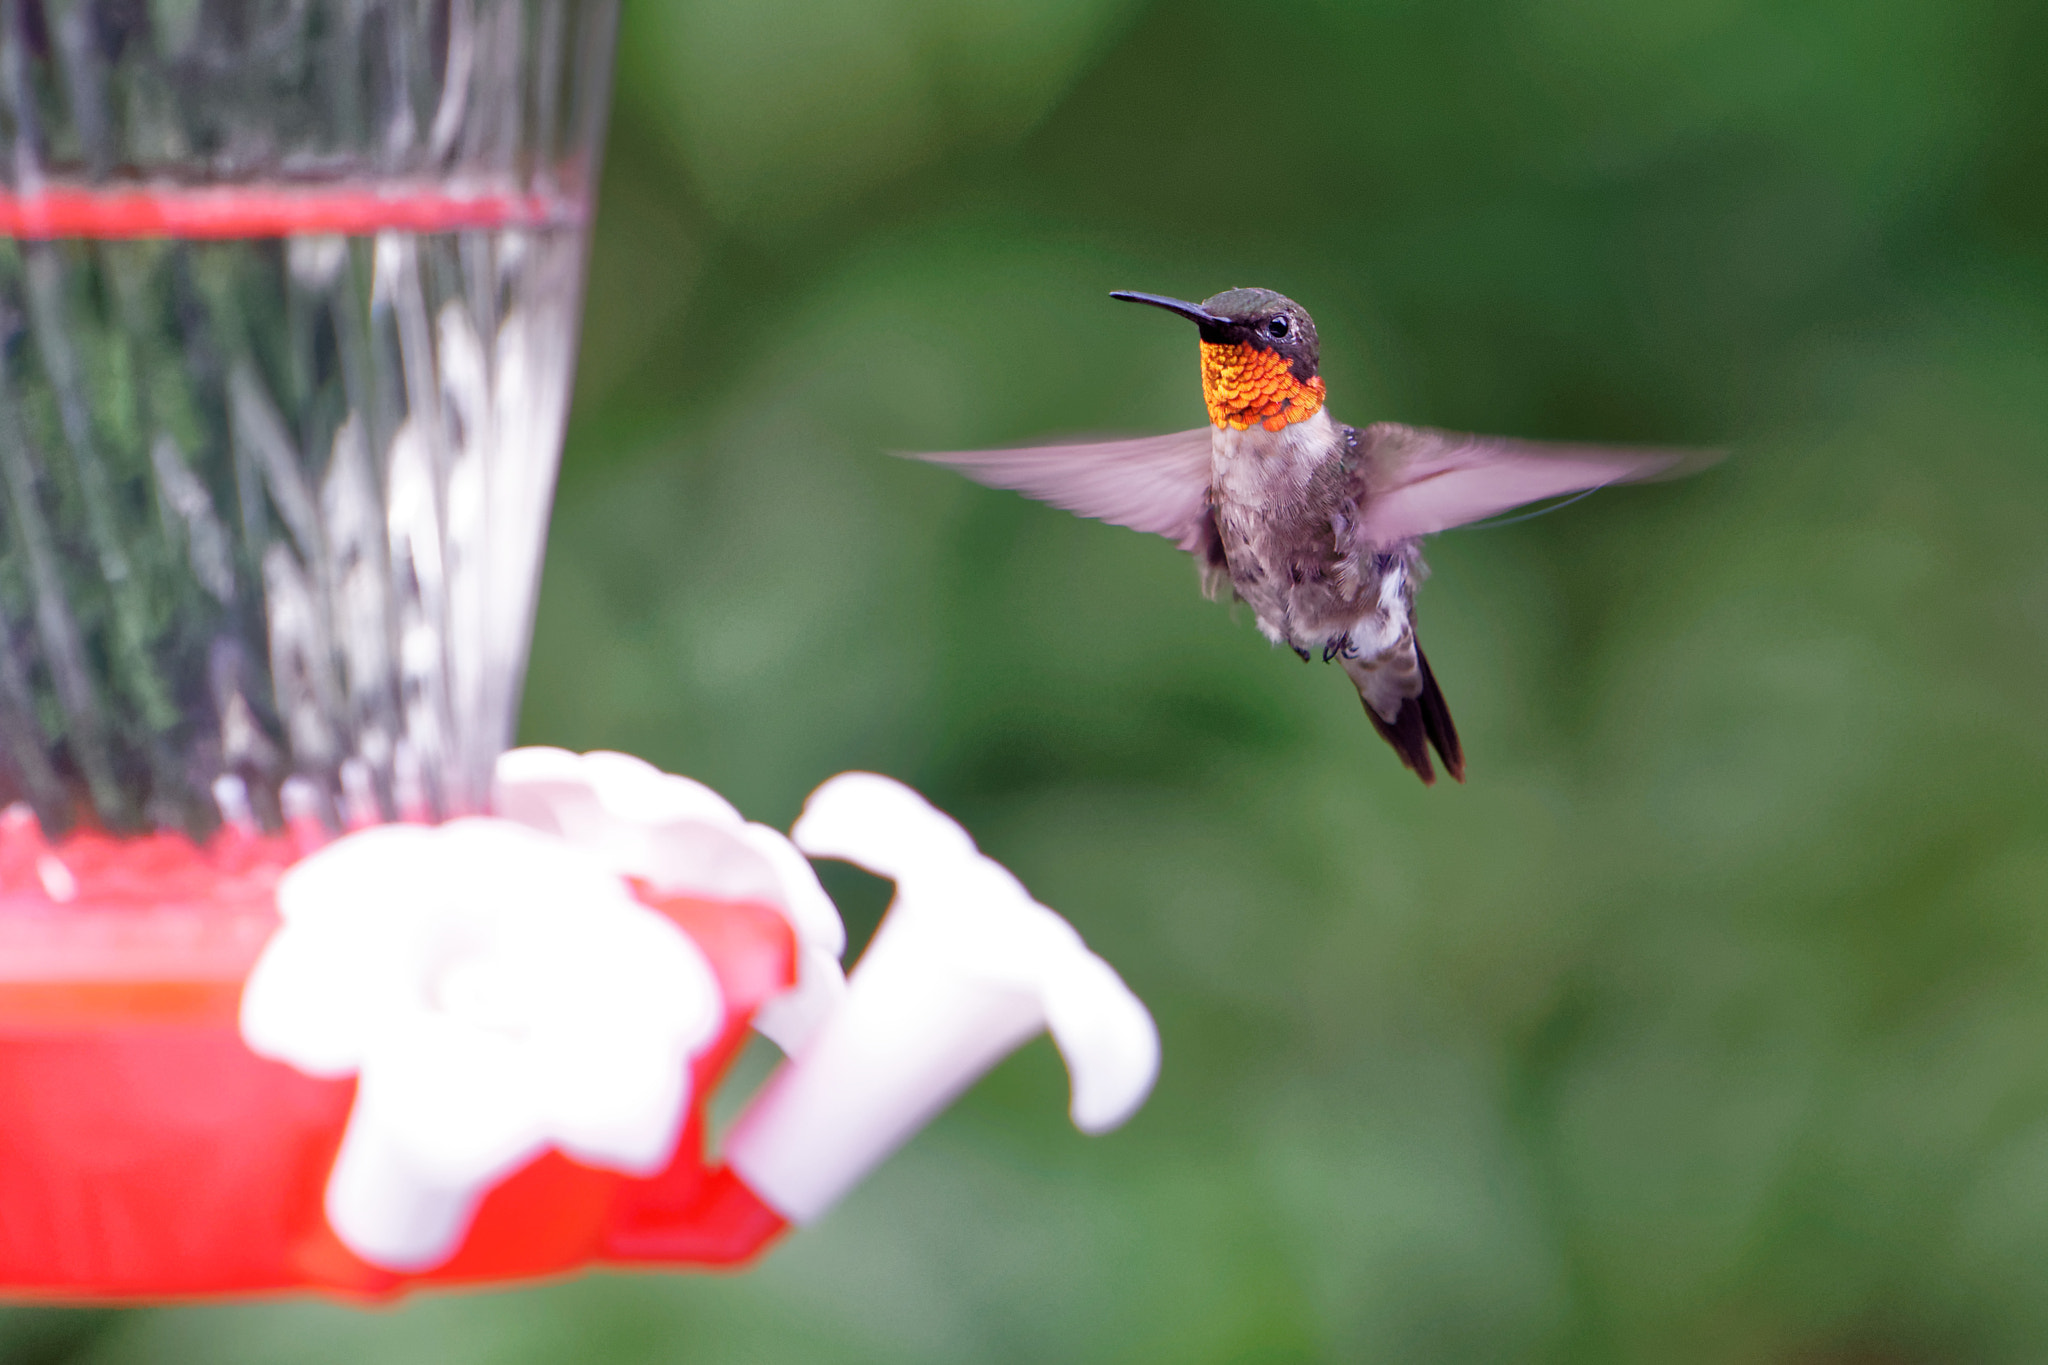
x=1277 y=327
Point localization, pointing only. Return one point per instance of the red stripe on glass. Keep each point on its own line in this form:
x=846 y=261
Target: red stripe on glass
x=236 y=211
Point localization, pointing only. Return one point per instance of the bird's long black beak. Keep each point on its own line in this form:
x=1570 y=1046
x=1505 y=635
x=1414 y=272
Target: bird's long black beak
x=1193 y=312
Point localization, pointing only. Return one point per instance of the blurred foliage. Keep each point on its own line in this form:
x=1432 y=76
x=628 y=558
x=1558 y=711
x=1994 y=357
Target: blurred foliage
x=1708 y=1023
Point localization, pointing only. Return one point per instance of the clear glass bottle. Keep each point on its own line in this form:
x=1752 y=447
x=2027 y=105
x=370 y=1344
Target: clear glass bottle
x=288 y=304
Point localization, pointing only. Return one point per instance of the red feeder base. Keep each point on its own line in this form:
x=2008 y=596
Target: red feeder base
x=146 y=1153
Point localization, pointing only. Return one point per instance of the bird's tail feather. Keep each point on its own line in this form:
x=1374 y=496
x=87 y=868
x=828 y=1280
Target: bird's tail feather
x=1421 y=722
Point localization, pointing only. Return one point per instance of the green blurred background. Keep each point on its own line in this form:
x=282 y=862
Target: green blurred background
x=1707 y=1023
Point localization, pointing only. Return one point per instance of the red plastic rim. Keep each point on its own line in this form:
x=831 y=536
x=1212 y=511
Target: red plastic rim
x=239 y=211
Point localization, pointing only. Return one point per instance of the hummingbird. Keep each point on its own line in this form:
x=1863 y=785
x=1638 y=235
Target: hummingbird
x=1316 y=525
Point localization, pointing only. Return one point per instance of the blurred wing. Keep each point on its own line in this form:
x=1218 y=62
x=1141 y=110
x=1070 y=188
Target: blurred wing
x=1418 y=480
x=1157 y=484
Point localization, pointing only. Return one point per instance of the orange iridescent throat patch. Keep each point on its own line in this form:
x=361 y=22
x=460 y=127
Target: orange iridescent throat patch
x=1243 y=384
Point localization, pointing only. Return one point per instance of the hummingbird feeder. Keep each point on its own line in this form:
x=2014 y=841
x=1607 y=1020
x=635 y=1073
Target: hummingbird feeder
x=306 y=983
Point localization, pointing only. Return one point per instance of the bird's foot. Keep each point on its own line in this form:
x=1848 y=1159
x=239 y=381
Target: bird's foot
x=1305 y=655
x=1339 y=644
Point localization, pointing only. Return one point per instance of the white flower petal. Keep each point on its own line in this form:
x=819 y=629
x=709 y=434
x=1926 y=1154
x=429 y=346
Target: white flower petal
x=791 y=1019
x=811 y=912
x=457 y=1101
x=1108 y=1039
x=679 y=836
x=299 y=1007
x=704 y=859
x=634 y=790
x=964 y=968
x=387 y=1213
x=622 y=1109
x=877 y=823
x=583 y=797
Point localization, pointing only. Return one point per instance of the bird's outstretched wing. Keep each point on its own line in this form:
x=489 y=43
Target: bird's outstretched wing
x=1415 y=480
x=1157 y=484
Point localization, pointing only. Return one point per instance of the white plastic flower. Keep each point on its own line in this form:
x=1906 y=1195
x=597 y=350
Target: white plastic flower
x=964 y=969
x=497 y=992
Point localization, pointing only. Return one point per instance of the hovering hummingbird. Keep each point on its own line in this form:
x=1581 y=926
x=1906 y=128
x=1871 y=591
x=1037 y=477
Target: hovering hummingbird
x=1315 y=524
